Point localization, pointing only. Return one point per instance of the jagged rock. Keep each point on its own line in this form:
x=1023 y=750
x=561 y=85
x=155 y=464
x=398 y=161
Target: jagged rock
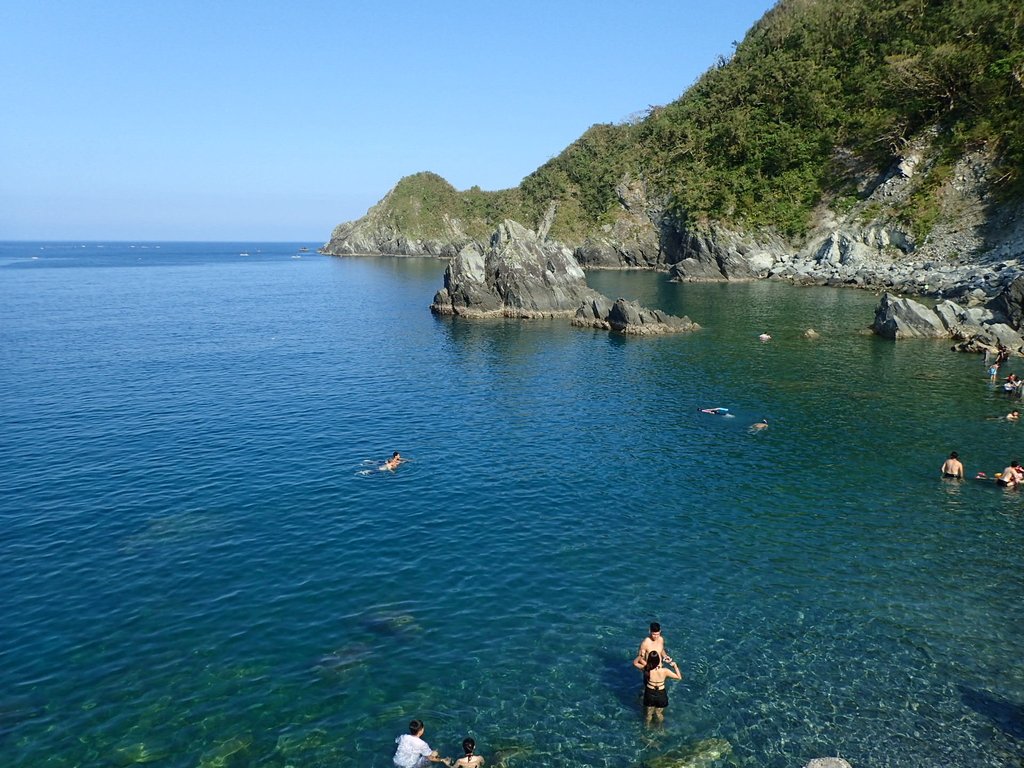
x=897 y=318
x=629 y=317
x=519 y=276
x=976 y=328
x=1009 y=304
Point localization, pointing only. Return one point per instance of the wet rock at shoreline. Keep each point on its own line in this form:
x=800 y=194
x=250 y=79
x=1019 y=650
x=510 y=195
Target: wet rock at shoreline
x=975 y=329
x=897 y=318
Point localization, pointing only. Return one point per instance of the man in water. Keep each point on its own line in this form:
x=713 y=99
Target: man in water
x=653 y=642
x=952 y=467
x=394 y=461
x=1012 y=475
x=413 y=751
x=762 y=424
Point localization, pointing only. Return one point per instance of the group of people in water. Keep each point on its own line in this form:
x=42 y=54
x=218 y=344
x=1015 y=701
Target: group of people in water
x=412 y=751
x=1013 y=475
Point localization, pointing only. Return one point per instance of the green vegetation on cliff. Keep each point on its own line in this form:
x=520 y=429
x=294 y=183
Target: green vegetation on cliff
x=818 y=93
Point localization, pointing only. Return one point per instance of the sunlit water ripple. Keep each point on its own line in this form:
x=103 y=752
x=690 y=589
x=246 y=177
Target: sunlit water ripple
x=201 y=565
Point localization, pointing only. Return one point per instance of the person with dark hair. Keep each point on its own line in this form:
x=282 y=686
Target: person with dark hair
x=394 y=461
x=469 y=760
x=653 y=642
x=655 y=693
x=413 y=751
x=952 y=467
x=1012 y=476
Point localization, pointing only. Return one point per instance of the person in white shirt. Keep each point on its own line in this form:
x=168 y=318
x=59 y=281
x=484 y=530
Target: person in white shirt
x=413 y=751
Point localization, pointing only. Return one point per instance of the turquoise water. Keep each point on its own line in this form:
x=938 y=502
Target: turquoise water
x=197 y=571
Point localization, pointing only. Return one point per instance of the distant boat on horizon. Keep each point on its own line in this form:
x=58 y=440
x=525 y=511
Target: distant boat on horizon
x=303 y=249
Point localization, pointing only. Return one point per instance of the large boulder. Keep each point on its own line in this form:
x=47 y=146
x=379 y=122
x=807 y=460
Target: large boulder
x=897 y=318
x=629 y=317
x=520 y=275
x=1009 y=305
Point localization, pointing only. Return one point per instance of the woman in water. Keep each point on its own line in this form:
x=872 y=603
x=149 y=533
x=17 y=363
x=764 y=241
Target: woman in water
x=469 y=760
x=655 y=693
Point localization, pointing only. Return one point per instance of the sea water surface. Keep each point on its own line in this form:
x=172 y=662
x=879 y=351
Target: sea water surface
x=200 y=564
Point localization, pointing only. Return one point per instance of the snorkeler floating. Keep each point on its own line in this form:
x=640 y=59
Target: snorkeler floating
x=715 y=411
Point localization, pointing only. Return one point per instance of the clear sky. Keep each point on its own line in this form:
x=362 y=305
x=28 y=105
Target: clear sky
x=258 y=120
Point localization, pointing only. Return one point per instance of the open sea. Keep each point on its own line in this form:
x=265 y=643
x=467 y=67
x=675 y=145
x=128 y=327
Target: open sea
x=201 y=566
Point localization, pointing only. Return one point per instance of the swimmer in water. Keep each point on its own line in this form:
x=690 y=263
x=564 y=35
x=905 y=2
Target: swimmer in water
x=394 y=461
x=1013 y=416
x=714 y=411
x=765 y=337
x=762 y=424
x=952 y=467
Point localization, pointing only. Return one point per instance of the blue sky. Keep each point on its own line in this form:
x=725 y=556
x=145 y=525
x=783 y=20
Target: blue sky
x=224 y=120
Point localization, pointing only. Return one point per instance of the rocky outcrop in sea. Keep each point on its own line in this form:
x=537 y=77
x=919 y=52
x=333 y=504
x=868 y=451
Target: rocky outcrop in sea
x=975 y=329
x=629 y=318
x=522 y=274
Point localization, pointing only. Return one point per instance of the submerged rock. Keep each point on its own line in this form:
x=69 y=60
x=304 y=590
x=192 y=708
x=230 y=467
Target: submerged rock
x=702 y=754
x=828 y=762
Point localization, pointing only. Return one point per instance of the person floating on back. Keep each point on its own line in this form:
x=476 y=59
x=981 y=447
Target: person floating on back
x=952 y=467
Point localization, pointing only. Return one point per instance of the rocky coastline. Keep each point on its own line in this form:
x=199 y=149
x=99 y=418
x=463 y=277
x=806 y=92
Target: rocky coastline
x=972 y=256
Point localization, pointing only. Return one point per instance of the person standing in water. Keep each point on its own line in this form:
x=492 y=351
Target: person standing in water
x=469 y=760
x=413 y=751
x=1012 y=476
x=952 y=467
x=655 y=692
x=653 y=642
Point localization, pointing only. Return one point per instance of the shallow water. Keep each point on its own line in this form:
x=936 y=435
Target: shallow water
x=197 y=571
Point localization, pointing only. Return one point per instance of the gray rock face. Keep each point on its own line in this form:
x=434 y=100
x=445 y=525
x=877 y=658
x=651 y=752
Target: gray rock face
x=1009 y=304
x=520 y=275
x=975 y=329
x=897 y=318
x=629 y=317
x=828 y=762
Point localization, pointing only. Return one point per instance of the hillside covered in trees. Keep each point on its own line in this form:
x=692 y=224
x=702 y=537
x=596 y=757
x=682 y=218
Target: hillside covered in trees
x=819 y=100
